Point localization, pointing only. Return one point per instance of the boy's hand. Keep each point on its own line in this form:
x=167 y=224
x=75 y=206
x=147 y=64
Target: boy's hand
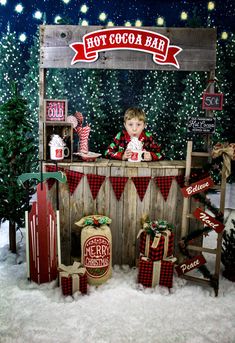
x=147 y=156
x=127 y=154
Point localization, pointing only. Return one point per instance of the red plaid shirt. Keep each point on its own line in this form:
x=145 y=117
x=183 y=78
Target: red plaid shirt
x=117 y=148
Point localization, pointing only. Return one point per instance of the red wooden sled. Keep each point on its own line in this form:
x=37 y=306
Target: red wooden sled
x=41 y=239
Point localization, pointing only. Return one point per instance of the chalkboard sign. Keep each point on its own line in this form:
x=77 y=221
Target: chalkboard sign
x=212 y=101
x=201 y=125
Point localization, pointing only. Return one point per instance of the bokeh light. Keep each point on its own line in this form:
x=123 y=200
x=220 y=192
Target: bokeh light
x=22 y=37
x=138 y=23
x=211 y=5
x=224 y=35
x=184 y=15
x=84 y=8
x=38 y=15
x=102 y=16
x=160 y=21
x=19 y=8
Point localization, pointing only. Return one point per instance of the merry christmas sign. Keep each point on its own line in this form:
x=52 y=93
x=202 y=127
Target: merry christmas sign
x=127 y=39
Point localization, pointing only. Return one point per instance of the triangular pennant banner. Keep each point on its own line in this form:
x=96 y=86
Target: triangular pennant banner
x=164 y=184
x=95 y=182
x=180 y=180
x=73 y=179
x=118 y=184
x=50 y=182
x=141 y=184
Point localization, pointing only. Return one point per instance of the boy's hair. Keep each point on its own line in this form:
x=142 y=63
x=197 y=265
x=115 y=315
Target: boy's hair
x=134 y=112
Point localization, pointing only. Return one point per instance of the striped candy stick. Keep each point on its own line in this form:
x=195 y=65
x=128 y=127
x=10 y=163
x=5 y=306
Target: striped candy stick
x=84 y=135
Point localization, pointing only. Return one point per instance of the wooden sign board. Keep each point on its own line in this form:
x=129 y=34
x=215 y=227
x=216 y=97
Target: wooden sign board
x=207 y=220
x=212 y=101
x=197 y=187
x=201 y=125
x=190 y=264
x=55 y=110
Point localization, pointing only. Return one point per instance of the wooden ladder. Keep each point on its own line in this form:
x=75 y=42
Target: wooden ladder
x=186 y=216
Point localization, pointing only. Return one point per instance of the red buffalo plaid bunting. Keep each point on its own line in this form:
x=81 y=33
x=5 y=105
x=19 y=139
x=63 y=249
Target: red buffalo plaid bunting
x=164 y=184
x=157 y=253
x=141 y=184
x=67 y=282
x=145 y=274
x=95 y=182
x=51 y=169
x=180 y=180
x=73 y=179
x=118 y=184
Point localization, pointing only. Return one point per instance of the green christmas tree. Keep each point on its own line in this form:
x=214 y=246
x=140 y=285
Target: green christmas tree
x=228 y=253
x=17 y=156
x=225 y=73
x=111 y=106
x=54 y=80
x=160 y=103
x=91 y=106
x=190 y=105
x=12 y=65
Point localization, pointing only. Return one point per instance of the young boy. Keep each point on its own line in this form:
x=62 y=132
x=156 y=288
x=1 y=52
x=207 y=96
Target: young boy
x=134 y=123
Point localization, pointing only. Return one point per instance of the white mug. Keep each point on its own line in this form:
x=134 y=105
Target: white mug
x=136 y=156
x=58 y=152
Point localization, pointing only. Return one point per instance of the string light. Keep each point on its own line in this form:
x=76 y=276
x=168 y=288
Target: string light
x=138 y=23
x=211 y=5
x=84 y=23
x=83 y=8
x=184 y=15
x=38 y=15
x=66 y=1
x=160 y=21
x=224 y=35
x=110 y=23
x=127 y=23
x=57 y=19
x=19 y=8
x=102 y=16
x=22 y=37
x=3 y=2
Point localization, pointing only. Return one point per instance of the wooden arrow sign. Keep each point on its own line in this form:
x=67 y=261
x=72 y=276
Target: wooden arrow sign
x=207 y=220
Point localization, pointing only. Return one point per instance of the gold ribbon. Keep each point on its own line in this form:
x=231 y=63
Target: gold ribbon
x=228 y=153
x=74 y=271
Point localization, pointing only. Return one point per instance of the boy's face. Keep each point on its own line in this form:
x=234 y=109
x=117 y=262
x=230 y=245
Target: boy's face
x=134 y=127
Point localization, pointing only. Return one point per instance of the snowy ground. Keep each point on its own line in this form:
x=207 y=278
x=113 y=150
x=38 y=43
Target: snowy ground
x=119 y=311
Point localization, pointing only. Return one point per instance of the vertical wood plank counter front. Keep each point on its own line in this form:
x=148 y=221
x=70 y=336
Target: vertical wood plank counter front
x=127 y=212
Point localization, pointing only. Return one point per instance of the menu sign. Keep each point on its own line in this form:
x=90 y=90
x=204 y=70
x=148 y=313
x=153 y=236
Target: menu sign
x=201 y=125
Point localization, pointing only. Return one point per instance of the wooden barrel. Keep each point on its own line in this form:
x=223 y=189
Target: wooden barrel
x=126 y=213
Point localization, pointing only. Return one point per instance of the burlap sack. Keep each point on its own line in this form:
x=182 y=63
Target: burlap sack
x=96 y=247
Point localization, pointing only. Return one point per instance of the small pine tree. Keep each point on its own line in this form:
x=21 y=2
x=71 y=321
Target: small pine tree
x=12 y=65
x=228 y=253
x=17 y=156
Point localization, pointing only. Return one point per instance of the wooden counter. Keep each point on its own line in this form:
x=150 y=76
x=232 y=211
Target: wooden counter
x=125 y=213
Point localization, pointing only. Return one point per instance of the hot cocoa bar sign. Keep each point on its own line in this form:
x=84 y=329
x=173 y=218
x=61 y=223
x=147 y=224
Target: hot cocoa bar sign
x=127 y=39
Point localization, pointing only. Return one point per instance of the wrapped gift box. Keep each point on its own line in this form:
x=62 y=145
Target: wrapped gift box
x=158 y=247
x=73 y=278
x=153 y=273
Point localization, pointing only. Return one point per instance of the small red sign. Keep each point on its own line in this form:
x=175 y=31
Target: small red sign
x=97 y=256
x=55 y=110
x=190 y=264
x=197 y=187
x=207 y=220
x=212 y=101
